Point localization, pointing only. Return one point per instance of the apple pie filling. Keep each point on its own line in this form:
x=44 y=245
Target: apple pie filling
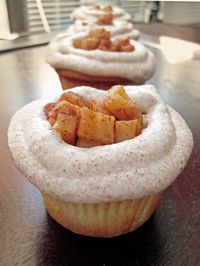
x=101 y=39
x=89 y=123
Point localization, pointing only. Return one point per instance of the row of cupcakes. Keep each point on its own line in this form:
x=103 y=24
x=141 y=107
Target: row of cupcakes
x=101 y=159
x=100 y=50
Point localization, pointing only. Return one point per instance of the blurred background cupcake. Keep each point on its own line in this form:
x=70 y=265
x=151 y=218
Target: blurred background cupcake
x=113 y=19
x=116 y=27
x=98 y=59
x=96 y=12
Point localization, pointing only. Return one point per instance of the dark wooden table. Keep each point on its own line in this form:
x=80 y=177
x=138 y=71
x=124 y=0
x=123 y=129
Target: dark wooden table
x=28 y=236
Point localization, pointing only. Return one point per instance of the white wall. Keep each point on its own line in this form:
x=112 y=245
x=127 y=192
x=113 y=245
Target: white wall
x=181 y=13
x=4 y=22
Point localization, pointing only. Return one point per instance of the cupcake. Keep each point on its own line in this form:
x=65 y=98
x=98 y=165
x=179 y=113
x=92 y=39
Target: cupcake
x=101 y=159
x=107 y=20
x=97 y=59
x=86 y=13
x=117 y=28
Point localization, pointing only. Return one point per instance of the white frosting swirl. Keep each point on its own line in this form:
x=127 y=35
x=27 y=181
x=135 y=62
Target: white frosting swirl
x=138 y=65
x=127 y=170
x=89 y=12
x=118 y=29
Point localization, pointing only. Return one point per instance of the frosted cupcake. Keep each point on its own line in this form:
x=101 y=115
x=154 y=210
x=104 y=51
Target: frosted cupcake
x=100 y=159
x=117 y=28
x=109 y=21
x=97 y=59
x=86 y=13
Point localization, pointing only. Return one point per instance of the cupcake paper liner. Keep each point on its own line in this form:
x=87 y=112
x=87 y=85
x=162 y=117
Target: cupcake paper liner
x=102 y=219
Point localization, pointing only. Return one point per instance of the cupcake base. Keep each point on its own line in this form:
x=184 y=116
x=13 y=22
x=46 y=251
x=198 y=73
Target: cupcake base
x=102 y=219
x=70 y=79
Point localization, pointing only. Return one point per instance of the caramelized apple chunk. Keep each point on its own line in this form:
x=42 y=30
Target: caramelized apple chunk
x=95 y=126
x=47 y=109
x=105 y=19
x=108 y=8
x=87 y=143
x=73 y=98
x=97 y=7
x=99 y=34
x=125 y=130
x=98 y=107
x=86 y=43
x=66 y=126
x=62 y=107
x=88 y=123
x=122 y=45
x=120 y=105
x=101 y=39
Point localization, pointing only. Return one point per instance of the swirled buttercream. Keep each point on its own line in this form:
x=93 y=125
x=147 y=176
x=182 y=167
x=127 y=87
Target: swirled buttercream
x=90 y=13
x=127 y=170
x=138 y=65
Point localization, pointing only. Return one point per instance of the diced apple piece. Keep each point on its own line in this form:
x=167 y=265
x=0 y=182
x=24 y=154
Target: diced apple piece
x=63 y=107
x=88 y=43
x=105 y=19
x=108 y=8
x=95 y=126
x=66 y=126
x=47 y=109
x=119 y=104
x=87 y=143
x=139 y=126
x=100 y=34
x=125 y=130
x=98 y=107
x=73 y=98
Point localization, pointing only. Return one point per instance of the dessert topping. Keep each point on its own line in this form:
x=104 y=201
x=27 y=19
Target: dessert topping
x=88 y=123
x=107 y=8
x=105 y=19
x=101 y=39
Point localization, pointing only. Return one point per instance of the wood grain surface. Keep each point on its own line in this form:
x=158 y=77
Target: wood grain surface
x=28 y=236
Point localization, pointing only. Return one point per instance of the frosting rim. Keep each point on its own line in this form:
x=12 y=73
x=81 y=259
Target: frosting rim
x=134 y=174
x=136 y=65
x=83 y=12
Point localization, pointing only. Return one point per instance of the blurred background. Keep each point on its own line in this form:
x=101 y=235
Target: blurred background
x=31 y=17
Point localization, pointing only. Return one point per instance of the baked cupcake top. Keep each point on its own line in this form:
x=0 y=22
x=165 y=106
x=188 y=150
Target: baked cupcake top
x=118 y=28
x=93 y=13
x=129 y=169
x=136 y=65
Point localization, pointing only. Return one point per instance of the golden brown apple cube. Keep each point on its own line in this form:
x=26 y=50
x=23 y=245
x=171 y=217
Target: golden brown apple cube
x=87 y=143
x=106 y=19
x=139 y=126
x=127 y=48
x=73 y=98
x=90 y=43
x=119 y=104
x=62 y=107
x=100 y=34
x=77 y=43
x=98 y=107
x=66 y=126
x=95 y=126
x=86 y=43
x=48 y=108
x=108 y=8
x=105 y=45
x=125 y=130
x=97 y=7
